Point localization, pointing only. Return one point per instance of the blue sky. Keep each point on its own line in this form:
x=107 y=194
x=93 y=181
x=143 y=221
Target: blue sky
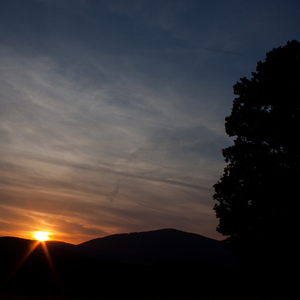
x=112 y=112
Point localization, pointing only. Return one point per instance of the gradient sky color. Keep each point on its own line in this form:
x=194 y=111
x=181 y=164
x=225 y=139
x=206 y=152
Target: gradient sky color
x=112 y=112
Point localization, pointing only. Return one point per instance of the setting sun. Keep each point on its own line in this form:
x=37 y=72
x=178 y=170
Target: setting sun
x=41 y=236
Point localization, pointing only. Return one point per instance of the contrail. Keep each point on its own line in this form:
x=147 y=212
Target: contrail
x=223 y=51
x=109 y=170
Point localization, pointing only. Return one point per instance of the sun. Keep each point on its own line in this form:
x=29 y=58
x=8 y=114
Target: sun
x=41 y=236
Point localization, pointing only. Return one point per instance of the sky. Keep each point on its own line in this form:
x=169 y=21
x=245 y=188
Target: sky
x=112 y=112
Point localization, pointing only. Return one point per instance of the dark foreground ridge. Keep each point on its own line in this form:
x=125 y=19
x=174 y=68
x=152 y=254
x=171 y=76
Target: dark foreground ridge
x=157 y=264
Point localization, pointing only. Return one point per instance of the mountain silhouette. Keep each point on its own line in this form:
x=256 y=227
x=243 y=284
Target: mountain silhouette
x=163 y=263
x=165 y=246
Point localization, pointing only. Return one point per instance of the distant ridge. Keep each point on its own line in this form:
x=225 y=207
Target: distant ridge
x=164 y=246
x=158 y=264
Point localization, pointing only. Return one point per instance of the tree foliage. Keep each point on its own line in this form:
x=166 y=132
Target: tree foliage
x=257 y=196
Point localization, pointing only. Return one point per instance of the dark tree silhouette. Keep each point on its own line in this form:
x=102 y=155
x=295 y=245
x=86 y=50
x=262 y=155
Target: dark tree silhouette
x=258 y=194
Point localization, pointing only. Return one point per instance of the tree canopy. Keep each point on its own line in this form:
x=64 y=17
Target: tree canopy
x=257 y=196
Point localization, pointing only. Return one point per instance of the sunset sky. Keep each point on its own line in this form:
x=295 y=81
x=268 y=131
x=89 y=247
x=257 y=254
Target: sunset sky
x=112 y=112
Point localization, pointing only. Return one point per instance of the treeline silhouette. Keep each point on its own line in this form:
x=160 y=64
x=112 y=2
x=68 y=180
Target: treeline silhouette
x=257 y=196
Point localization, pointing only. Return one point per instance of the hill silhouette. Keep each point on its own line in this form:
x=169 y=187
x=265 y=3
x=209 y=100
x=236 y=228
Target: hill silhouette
x=159 y=264
x=165 y=246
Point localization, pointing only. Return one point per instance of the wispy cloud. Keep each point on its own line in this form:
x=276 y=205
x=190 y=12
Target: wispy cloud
x=112 y=112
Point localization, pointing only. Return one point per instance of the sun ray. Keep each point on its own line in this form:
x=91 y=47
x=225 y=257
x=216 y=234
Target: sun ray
x=51 y=265
x=31 y=249
x=41 y=238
